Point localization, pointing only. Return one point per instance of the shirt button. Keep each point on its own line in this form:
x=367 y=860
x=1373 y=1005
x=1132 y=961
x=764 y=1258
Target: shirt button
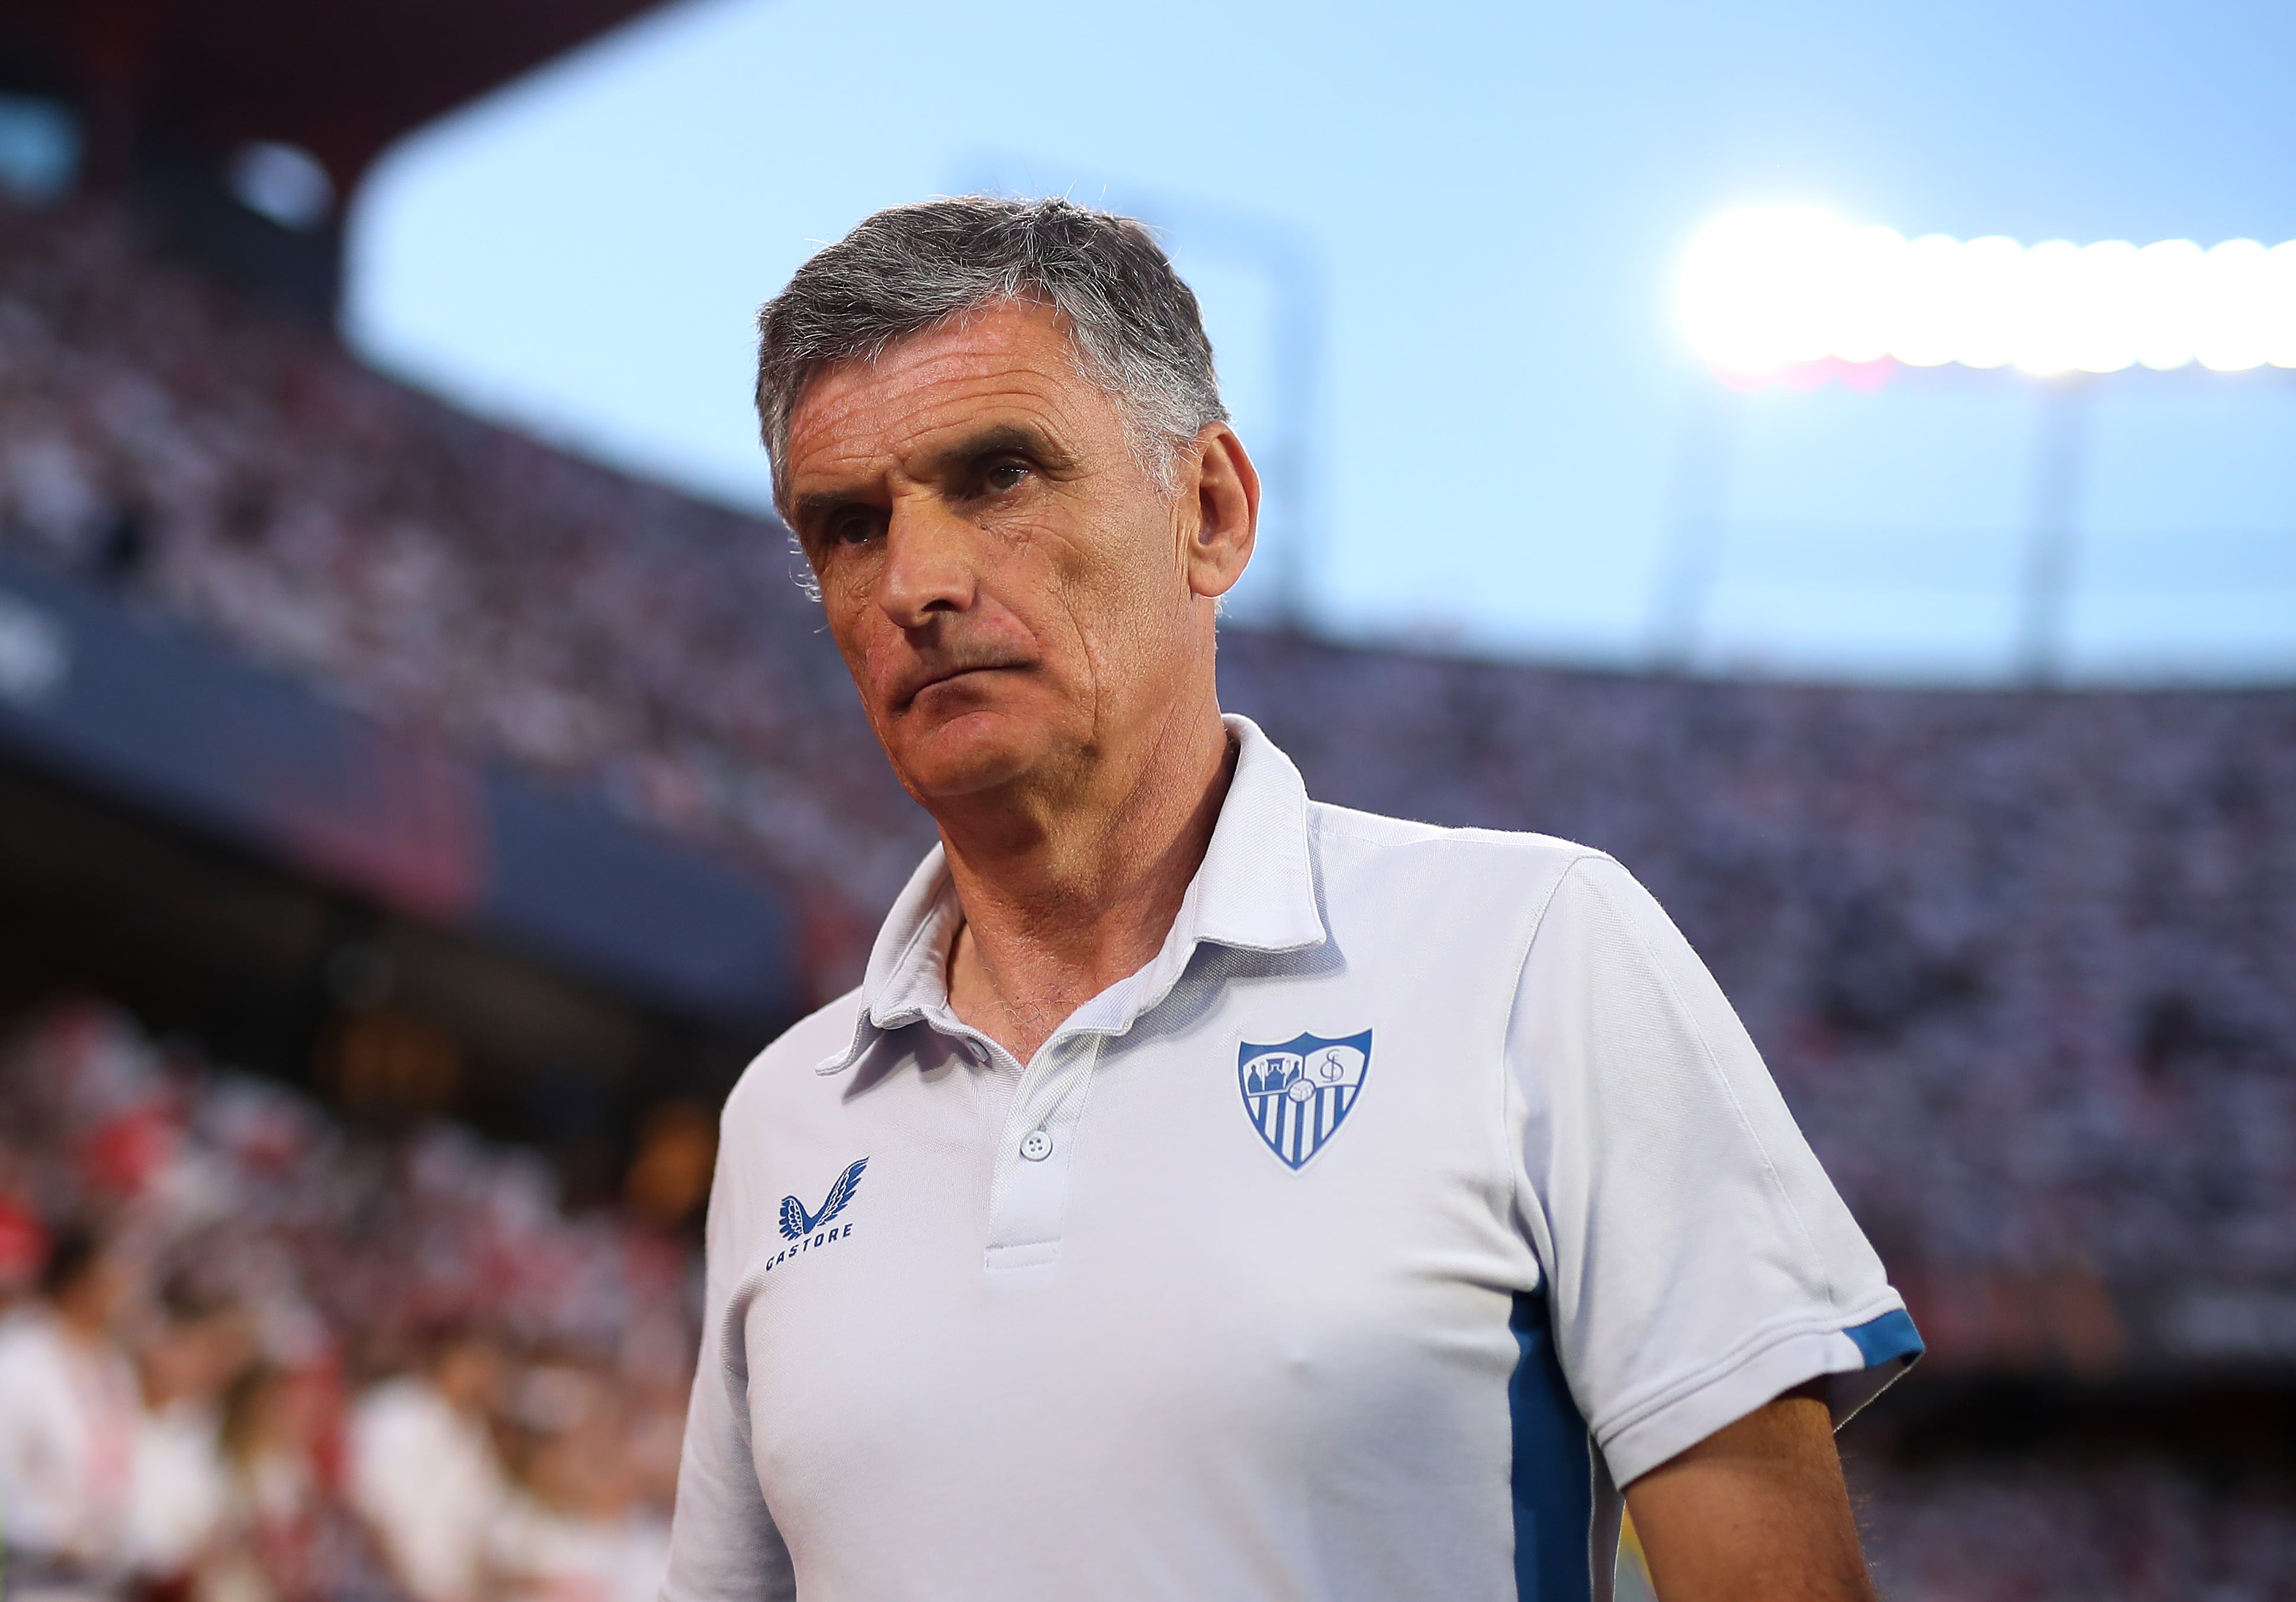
x=1035 y=1146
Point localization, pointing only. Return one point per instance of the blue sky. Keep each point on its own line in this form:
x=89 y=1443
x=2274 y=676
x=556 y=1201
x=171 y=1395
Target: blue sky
x=1511 y=450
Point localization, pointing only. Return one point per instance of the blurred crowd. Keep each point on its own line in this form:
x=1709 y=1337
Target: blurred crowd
x=239 y=469
x=2047 y=932
x=247 y=1356
x=2055 y=1527
x=2020 y=962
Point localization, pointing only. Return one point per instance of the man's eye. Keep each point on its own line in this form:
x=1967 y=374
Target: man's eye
x=851 y=527
x=1006 y=475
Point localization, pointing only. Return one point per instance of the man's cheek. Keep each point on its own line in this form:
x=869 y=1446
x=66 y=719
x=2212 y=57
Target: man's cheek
x=877 y=667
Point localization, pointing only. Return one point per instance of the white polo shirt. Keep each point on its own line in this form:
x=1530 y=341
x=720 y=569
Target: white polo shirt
x=1420 y=1192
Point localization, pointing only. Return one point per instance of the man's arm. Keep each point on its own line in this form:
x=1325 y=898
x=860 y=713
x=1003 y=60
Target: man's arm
x=1757 y=1512
x=1700 y=1267
x=723 y=1545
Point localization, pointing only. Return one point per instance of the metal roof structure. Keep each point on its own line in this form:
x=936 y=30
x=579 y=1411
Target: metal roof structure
x=340 y=80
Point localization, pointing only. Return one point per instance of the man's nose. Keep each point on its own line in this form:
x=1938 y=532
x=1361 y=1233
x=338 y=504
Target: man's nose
x=929 y=567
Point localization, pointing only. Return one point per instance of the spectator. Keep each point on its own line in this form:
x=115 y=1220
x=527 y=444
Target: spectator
x=281 y=1537
x=194 y=1347
x=423 y=1472
x=576 y=1529
x=67 y=1417
x=281 y=1231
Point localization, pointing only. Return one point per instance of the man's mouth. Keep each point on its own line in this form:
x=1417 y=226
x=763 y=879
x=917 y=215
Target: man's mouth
x=951 y=675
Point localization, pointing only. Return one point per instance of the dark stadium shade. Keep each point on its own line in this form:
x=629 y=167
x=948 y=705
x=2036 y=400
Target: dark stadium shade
x=340 y=80
x=157 y=716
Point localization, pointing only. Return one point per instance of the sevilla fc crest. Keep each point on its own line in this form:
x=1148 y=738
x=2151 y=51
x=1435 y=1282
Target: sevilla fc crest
x=1299 y=1093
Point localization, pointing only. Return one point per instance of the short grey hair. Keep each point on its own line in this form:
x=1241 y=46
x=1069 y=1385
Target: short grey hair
x=1134 y=326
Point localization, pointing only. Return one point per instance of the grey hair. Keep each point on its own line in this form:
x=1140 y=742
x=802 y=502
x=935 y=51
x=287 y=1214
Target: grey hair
x=1134 y=326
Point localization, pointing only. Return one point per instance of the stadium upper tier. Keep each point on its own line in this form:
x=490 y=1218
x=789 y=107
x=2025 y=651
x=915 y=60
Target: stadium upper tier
x=340 y=81
x=2020 y=961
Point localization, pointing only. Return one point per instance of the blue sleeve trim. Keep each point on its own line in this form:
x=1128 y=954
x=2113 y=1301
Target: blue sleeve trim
x=1890 y=1338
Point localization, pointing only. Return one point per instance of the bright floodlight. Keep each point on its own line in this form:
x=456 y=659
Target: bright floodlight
x=1763 y=290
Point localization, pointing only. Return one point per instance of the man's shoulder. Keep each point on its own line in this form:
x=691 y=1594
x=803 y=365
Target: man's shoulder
x=791 y=1060
x=1434 y=853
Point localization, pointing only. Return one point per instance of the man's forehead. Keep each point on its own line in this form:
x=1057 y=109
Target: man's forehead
x=999 y=361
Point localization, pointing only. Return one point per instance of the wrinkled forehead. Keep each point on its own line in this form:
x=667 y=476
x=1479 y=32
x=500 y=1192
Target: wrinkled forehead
x=999 y=362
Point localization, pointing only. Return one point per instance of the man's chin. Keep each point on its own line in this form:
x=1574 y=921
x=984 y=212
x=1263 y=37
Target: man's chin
x=969 y=753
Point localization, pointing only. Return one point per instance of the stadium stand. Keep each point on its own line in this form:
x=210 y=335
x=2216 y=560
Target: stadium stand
x=2020 y=961
x=327 y=1260
x=235 y=468
x=2049 y=931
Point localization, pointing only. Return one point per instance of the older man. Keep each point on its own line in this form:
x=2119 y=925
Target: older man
x=1209 y=1193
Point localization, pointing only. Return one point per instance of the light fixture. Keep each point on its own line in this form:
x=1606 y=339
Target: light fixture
x=1775 y=289
x=282 y=181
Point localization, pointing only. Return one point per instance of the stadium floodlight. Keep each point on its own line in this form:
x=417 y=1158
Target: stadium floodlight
x=282 y=181
x=1775 y=288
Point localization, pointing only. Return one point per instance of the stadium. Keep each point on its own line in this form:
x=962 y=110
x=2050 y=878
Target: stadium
x=409 y=828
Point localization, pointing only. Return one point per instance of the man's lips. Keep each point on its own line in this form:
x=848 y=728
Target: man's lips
x=951 y=674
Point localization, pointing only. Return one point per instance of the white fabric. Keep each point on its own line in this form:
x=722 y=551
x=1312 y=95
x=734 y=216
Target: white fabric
x=1162 y=1362
x=68 y=1416
x=538 y=1554
x=425 y=1478
x=179 y=1487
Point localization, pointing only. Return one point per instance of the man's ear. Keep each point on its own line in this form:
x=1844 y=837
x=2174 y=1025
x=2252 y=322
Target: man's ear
x=1222 y=486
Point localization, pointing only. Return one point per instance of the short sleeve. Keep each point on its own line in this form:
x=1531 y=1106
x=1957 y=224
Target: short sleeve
x=1698 y=1261
x=723 y=1545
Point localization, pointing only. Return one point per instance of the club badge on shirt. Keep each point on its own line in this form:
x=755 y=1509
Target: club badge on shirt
x=1298 y=1094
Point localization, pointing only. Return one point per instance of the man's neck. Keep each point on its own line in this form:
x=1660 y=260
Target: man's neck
x=1056 y=912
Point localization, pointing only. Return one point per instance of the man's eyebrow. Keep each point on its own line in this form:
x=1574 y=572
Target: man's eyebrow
x=1000 y=439
x=807 y=510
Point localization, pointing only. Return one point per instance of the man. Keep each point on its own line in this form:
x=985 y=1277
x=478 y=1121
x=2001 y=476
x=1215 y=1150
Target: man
x=422 y=1469
x=68 y=1420
x=185 y=1361
x=1209 y=1193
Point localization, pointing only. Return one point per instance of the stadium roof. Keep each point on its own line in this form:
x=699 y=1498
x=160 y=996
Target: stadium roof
x=340 y=79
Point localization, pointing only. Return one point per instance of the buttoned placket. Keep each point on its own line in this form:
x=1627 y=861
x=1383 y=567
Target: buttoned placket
x=1266 y=902
x=1037 y=1148
x=1037 y=1143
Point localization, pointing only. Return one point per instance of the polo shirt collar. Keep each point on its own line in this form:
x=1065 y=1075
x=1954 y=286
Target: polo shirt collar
x=1255 y=890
